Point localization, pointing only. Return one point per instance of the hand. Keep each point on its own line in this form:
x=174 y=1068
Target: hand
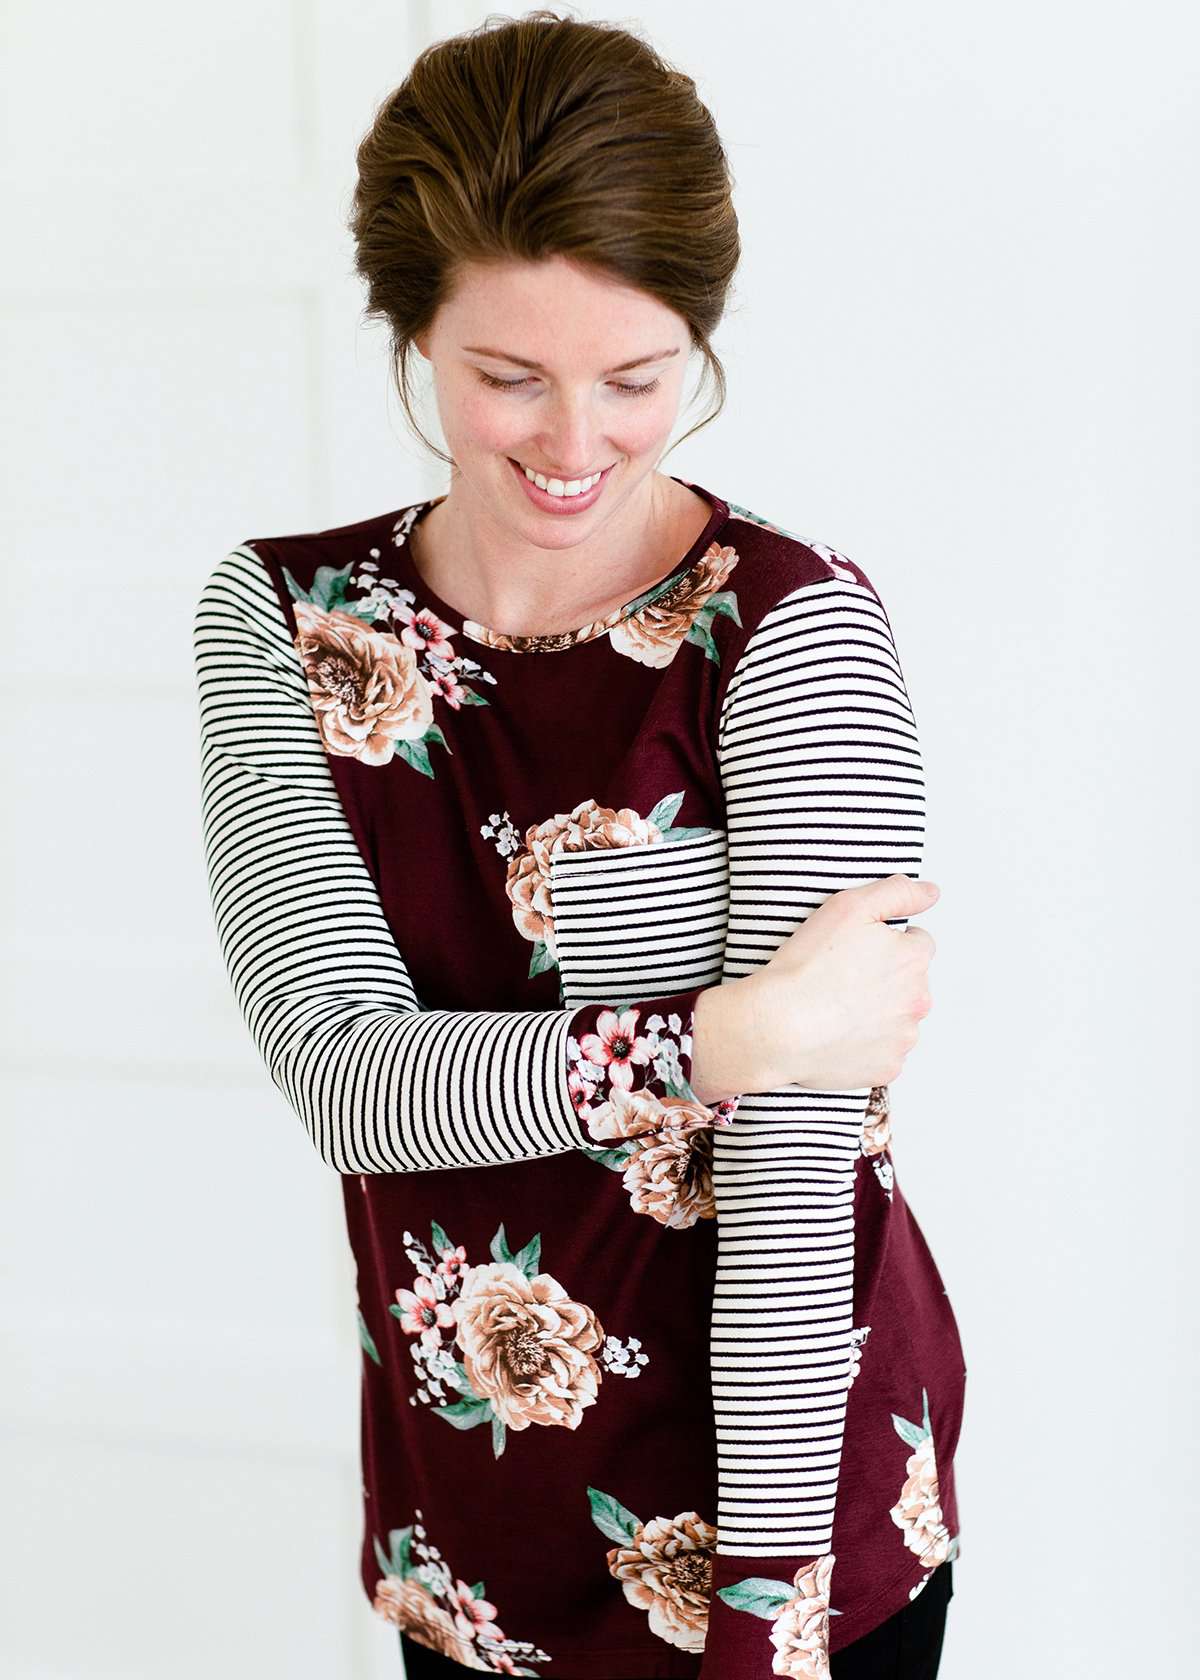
x=838 y=1005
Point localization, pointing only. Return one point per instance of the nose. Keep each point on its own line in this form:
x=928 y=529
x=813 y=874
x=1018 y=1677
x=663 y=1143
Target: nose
x=572 y=445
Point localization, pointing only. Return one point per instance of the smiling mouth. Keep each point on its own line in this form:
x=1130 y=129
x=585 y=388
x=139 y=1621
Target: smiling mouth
x=563 y=478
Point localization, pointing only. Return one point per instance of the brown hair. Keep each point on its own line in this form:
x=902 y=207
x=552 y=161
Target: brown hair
x=537 y=136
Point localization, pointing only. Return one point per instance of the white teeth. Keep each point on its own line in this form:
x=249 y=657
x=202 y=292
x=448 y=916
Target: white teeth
x=556 y=487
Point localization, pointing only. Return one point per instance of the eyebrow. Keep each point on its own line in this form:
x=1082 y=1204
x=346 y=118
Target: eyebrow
x=521 y=361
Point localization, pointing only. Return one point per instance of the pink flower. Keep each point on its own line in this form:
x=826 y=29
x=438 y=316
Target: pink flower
x=453 y=1262
x=425 y=630
x=580 y=1090
x=616 y=1046
x=424 y=1315
x=448 y=686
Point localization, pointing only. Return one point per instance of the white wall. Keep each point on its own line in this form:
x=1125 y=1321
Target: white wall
x=963 y=351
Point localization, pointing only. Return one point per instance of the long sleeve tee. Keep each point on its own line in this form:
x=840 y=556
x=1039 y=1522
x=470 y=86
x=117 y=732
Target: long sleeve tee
x=649 y=1387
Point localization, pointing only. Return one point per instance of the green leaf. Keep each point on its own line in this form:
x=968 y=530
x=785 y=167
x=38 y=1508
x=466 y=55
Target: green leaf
x=414 y=753
x=294 y=589
x=612 y=1518
x=364 y=1336
x=470 y=698
x=434 y=733
x=529 y=1260
x=440 y=1242
x=724 y=601
x=465 y=1414
x=541 y=959
x=699 y=633
x=329 y=586
x=759 y=1594
x=616 y=1159
x=397 y=1563
x=477 y=1590
x=912 y=1433
x=663 y=814
x=925 y=1411
x=498 y=1433
x=500 y=1250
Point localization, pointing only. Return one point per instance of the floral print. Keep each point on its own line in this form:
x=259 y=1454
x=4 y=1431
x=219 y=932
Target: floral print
x=432 y=1606
x=799 y=1613
x=661 y=1145
x=651 y=628
x=588 y=827
x=918 y=1512
x=626 y=1078
x=857 y=1338
x=877 y=1137
x=373 y=690
x=664 y=1567
x=837 y=563
x=505 y=1337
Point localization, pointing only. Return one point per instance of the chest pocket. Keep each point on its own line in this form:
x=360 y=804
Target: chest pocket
x=640 y=921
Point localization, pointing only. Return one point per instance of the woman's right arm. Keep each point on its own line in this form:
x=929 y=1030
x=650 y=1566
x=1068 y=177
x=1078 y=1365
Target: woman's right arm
x=381 y=1084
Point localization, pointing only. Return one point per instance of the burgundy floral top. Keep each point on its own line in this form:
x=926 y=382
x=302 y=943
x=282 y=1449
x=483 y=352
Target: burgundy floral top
x=649 y=1387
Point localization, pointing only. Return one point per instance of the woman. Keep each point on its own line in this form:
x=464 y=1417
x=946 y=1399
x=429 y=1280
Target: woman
x=558 y=828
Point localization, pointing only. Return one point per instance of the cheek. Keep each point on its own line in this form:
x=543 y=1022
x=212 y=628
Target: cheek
x=489 y=425
x=641 y=423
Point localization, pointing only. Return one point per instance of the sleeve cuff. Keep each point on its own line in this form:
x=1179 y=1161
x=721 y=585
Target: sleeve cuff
x=768 y=1616
x=629 y=1071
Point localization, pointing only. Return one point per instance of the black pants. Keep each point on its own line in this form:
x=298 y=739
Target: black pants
x=908 y=1646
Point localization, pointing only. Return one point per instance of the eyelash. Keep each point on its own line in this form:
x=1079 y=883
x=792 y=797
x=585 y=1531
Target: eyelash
x=515 y=385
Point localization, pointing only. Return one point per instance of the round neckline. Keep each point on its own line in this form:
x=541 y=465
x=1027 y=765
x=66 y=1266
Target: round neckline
x=559 y=642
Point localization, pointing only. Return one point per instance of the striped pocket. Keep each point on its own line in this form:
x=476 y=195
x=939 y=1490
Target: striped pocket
x=640 y=921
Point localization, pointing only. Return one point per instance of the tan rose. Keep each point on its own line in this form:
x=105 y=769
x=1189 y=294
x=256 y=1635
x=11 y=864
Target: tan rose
x=652 y=634
x=666 y=1570
x=626 y=1114
x=366 y=690
x=918 y=1511
x=527 y=1346
x=670 y=1177
x=410 y=1607
x=589 y=827
x=800 y=1633
x=877 y=1126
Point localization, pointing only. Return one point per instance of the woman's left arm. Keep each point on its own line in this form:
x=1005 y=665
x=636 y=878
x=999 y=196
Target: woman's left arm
x=824 y=789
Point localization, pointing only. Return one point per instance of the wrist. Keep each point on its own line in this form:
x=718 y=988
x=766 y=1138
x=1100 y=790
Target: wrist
x=730 y=1042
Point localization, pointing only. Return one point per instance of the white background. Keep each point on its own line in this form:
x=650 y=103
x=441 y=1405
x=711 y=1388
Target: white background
x=963 y=351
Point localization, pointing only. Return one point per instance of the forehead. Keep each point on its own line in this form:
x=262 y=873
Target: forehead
x=557 y=313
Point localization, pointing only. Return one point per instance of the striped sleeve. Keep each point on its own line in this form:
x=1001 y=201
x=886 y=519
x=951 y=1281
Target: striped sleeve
x=821 y=767
x=381 y=1084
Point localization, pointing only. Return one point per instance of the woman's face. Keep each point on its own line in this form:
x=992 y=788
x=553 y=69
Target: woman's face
x=531 y=367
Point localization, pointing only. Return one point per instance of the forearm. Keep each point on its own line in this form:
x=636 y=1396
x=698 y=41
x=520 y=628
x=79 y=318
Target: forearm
x=730 y=1052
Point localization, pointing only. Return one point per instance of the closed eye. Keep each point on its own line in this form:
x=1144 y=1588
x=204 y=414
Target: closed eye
x=516 y=384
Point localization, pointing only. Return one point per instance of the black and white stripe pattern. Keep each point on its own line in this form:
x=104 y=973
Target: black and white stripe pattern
x=821 y=768
x=641 y=921
x=819 y=760
x=381 y=1085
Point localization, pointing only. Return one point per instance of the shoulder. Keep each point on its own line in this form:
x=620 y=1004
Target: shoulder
x=777 y=577
x=779 y=561
x=261 y=573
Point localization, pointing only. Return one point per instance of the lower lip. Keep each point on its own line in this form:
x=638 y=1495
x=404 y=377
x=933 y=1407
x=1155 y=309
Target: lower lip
x=559 y=504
